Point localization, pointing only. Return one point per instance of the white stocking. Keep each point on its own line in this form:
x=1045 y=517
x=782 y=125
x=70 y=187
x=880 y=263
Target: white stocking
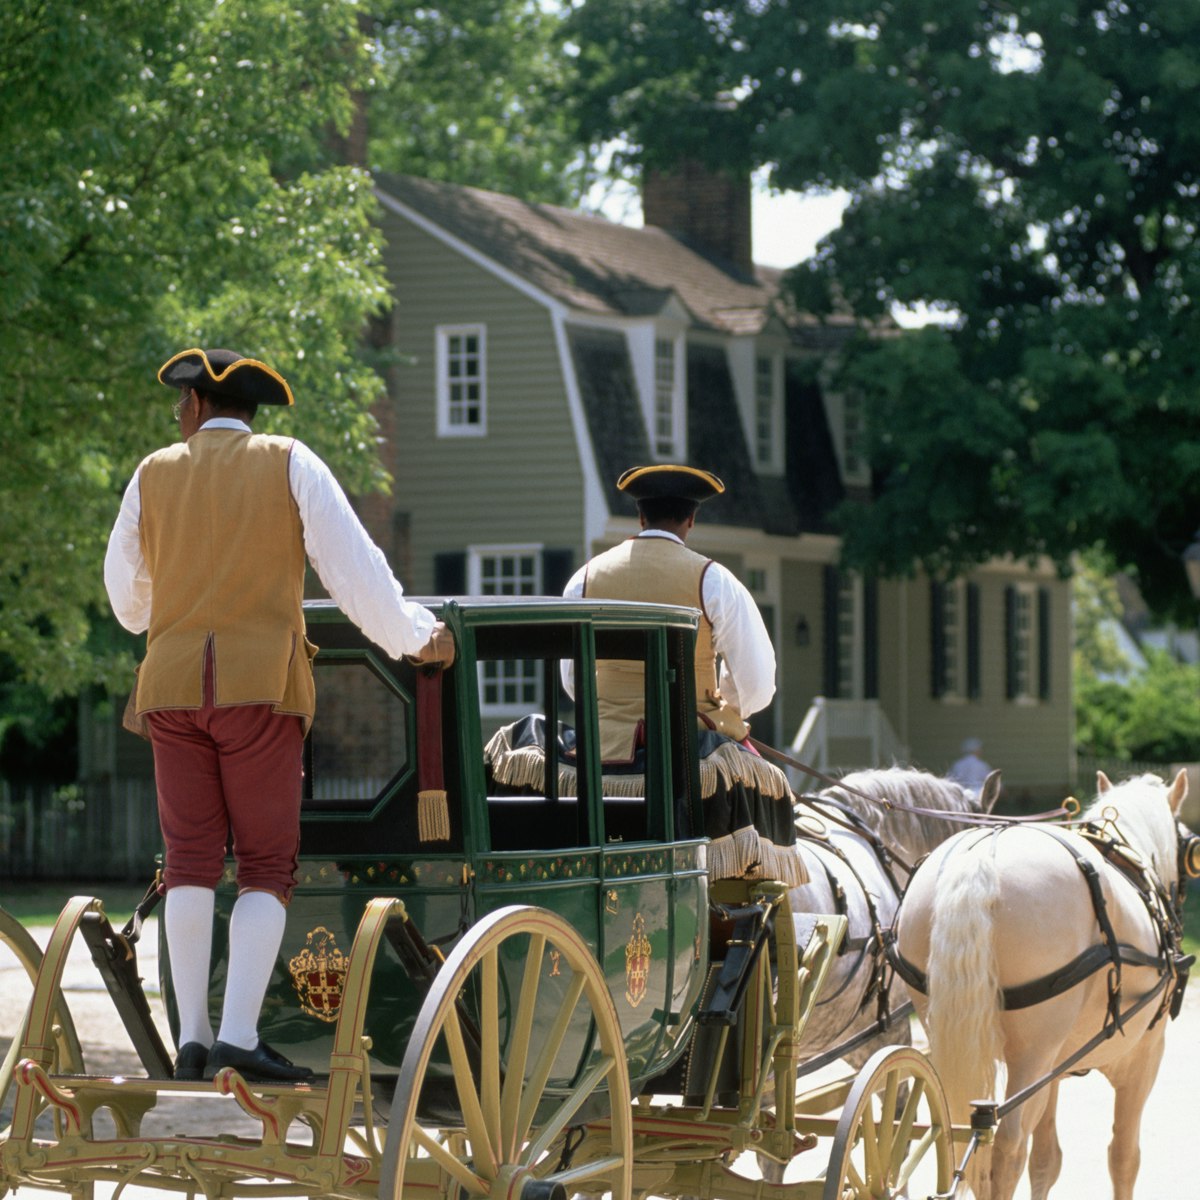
x=255 y=933
x=188 y=922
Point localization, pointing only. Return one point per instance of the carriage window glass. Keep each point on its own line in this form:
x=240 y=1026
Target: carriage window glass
x=360 y=747
x=633 y=738
x=531 y=759
x=511 y=686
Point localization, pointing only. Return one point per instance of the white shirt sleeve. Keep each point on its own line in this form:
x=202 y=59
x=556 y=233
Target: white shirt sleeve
x=126 y=578
x=350 y=566
x=747 y=677
x=573 y=591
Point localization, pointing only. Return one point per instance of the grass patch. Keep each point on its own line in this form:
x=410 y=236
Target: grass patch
x=1191 y=923
x=40 y=903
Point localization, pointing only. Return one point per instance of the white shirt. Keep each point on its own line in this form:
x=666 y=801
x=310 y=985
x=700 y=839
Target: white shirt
x=747 y=678
x=970 y=772
x=351 y=567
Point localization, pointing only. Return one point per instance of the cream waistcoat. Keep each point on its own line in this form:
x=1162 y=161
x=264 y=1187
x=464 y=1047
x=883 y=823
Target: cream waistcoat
x=662 y=571
x=223 y=543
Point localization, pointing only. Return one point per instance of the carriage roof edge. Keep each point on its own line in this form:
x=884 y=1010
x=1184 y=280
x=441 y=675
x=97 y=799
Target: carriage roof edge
x=483 y=609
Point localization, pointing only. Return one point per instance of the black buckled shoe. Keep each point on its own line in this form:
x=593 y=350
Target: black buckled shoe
x=260 y=1065
x=191 y=1061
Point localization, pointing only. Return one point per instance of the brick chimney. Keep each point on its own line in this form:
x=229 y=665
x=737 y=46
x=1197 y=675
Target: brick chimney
x=705 y=209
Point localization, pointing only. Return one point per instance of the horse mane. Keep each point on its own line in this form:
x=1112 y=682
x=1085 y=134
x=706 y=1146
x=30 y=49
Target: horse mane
x=1143 y=813
x=908 y=834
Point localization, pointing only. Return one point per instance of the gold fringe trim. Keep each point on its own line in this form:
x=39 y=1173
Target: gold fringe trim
x=743 y=854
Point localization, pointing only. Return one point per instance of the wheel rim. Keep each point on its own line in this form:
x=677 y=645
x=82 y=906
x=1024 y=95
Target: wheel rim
x=893 y=1138
x=516 y=1110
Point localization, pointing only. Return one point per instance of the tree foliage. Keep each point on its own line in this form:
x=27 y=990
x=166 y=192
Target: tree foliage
x=171 y=179
x=1027 y=170
x=472 y=92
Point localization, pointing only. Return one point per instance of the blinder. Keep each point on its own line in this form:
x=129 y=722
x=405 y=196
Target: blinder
x=1189 y=852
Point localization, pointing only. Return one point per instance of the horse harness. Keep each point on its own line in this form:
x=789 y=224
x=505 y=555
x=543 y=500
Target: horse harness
x=1165 y=911
x=881 y=972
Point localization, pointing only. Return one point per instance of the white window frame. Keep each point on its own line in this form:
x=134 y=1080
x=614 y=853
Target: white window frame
x=1025 y=638
x=477 y=556
x=766 y=436
x=954 y=641
x=447 y=426
x=850 y=636
x=673 y=446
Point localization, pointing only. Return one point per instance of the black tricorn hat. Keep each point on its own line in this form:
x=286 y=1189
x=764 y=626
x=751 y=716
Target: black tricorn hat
x=226 y=373
x=670 y=480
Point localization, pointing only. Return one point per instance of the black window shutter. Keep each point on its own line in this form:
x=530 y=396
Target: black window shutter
x=937 y=639
x=829 y=632
x=974 y=688
x=1043 y=633
x=1010 y=643
x=870 y=639
x=557 y=568
x=450 y=573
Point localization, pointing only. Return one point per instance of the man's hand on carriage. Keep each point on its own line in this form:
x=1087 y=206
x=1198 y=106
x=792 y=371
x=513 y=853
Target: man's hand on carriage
x=439 y=650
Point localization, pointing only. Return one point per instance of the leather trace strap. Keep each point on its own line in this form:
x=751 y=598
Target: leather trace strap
x=962 y=818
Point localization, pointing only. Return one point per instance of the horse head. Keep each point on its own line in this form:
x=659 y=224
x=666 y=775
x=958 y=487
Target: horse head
x=1146 y=810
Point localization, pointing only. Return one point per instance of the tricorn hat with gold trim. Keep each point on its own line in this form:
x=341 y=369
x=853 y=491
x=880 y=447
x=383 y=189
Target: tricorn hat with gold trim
x=226 y=373
x=672 y=480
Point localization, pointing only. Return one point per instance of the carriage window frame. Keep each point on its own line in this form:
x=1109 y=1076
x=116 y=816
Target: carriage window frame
x=480 y=582
x=399 y=778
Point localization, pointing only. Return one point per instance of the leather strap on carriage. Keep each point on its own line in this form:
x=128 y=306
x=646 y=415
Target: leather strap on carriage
x=962 y=818
x=131 y=932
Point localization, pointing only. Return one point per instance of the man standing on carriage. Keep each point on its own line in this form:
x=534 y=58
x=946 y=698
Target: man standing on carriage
x=208 y=557
x=734 y=668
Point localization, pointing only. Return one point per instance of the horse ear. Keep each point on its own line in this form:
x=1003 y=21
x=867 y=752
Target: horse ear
x=1103 y=783
x=990 y=792
x=1179 y=791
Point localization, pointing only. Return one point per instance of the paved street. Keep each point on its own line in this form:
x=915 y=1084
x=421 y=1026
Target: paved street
x=1170 y=1163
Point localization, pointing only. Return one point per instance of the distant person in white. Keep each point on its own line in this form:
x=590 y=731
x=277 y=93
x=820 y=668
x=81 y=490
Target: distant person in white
x=970 y=771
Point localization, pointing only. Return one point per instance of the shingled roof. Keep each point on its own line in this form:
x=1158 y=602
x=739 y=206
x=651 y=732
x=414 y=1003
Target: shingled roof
x=590 y=263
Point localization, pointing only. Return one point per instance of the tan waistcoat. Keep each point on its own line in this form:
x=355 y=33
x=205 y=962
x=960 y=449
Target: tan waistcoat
x=224 y=546
x=661 y=571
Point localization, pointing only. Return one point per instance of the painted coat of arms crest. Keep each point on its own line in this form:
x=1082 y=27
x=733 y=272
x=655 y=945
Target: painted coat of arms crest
x=637 y=963
x=319 y=975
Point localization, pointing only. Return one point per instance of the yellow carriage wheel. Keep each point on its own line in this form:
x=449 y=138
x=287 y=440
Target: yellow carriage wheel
x=893 y=1138
x=68 y=1057
x=537 y=1105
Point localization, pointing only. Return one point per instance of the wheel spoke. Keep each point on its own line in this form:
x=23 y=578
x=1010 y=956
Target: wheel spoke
x=489 y=1064
x=870 y=1144
x=555 y=1124
x=887 y=1115
x=464 y=1082
x=904 y=1127
x=916 y=1152
x=518 y=1046
x=536 y=1084
x=448 y=1162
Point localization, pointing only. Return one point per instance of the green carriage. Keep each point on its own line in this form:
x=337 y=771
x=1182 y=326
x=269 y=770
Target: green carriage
x=507 y=964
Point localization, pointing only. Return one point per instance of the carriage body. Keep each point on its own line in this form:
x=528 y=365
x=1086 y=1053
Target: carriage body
x=622 y=865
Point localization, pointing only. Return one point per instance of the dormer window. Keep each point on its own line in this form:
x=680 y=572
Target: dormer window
x=668 y=399
x=768 y=409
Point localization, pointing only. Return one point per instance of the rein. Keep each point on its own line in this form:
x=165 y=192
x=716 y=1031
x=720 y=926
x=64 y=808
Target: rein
x=963 y=818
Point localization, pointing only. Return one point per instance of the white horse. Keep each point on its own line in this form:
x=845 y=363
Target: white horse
x=841 y=860
x=992 y=910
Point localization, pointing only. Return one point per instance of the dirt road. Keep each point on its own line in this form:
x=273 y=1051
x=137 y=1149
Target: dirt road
x=1170 y=1166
